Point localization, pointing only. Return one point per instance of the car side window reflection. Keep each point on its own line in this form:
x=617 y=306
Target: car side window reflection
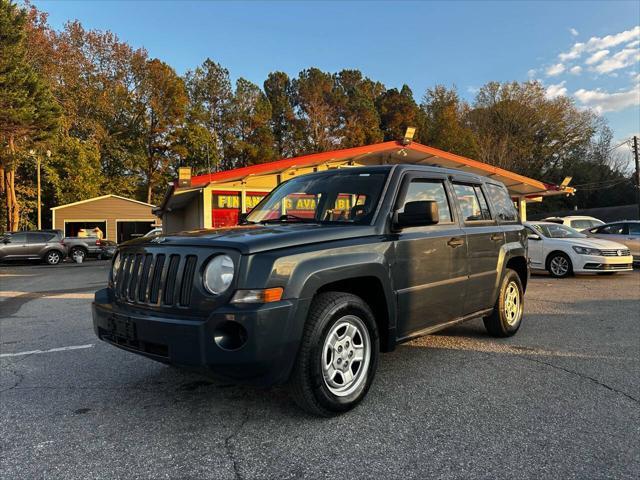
x=421 y=190
x=472 y=203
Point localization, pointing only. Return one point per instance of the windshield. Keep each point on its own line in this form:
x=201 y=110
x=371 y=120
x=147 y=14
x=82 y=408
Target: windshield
x=557 y=231
x=342 y=197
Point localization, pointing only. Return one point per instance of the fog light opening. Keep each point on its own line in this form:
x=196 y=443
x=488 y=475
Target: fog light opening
x=230 y=335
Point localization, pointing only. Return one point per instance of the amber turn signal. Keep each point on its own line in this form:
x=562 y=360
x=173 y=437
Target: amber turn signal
x=267 y=295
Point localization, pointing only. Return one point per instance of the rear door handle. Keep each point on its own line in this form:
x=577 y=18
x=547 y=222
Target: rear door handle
x=455 y=242
x=496 y=237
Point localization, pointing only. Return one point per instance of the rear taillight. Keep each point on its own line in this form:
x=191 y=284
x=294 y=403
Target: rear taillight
x=98 y=243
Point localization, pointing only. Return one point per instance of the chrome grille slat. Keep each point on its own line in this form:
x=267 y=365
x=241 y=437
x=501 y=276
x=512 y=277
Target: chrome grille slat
x=614 y=253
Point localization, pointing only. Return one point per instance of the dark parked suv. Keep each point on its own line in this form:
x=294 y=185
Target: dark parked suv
x=45 y=245
x=327 y=271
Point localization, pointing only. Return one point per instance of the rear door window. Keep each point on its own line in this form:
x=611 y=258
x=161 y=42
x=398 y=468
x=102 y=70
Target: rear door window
x=472 y=203
x=18 y=238
x=505 y=210
x=422 y=190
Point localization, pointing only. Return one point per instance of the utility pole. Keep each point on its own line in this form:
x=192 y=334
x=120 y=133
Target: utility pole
x=635 y=156
x=39 y=212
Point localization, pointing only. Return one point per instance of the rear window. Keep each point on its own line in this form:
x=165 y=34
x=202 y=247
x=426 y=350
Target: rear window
x=584 y=224
x=502 y=203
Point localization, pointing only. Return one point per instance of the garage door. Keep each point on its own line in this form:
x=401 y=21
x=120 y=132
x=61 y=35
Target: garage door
x=128 y=230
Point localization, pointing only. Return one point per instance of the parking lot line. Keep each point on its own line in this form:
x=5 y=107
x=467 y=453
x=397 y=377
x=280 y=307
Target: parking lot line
x=51 y=350
x=75 y=296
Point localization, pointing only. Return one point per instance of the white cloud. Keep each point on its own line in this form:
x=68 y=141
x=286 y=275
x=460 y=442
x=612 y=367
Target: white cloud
x=531 y=73
x=622 y=59
x=596 y=57
x=633 y=44
x=602 y=101
x=556 y=90
x=600 y=43
x=577 y=70
x=574 y=32
x=556 y=69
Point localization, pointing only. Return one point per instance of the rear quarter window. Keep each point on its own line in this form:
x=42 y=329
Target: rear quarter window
x=505 y=209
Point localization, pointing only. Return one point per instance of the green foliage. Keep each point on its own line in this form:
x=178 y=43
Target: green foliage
x=129 y=121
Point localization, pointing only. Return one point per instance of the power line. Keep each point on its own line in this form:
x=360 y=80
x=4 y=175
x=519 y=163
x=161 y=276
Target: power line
x=626 y=142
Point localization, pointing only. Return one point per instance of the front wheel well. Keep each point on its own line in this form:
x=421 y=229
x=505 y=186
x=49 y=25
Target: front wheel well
x=370 y=290
x=550 y=256
x=519 y=265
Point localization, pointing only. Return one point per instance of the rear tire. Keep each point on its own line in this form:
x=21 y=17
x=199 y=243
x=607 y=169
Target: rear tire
x=78 y=252
x=559 y=265
x=338 y=355
x=506 y=318
x=52 y=257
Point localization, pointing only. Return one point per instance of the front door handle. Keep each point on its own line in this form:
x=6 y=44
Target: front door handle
x=496 y=237
x=455 y=242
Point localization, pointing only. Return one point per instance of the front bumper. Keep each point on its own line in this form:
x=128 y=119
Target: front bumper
x=596 y=263
x=265 y=358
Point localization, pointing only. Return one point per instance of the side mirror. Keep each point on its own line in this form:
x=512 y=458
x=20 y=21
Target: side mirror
x=533 y=236
x=417 y=214
x=242 y=218
x=6 y=240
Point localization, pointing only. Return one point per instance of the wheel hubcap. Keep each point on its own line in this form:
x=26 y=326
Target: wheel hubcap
x=345 y=356
x=53 y=257
x=559 y=266
x=512 y=303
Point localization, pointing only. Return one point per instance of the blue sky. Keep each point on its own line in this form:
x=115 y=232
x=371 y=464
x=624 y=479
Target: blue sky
x=465 y=44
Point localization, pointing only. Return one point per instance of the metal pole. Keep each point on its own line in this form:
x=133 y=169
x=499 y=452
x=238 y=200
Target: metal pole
x=635 y=156
x=39 y=209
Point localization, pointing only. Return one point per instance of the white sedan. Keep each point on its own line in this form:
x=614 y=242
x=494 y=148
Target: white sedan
x=561 y=251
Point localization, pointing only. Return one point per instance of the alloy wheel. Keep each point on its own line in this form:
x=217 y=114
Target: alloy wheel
x=559 y=266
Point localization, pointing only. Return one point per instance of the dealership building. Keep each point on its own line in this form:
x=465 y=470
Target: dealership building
x=118 y=218
x=217 y=199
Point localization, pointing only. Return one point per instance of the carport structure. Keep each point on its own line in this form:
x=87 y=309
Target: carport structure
x=216 y=199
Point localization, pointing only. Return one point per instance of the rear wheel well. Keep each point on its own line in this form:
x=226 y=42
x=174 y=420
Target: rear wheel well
x=519 y=265
x=79 y=247
x=371 y=291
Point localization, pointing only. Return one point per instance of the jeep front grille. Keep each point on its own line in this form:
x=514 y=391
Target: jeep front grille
x=155 y=279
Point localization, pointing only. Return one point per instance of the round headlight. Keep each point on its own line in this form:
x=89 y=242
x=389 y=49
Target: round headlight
x=218 y=274
x=115 y=266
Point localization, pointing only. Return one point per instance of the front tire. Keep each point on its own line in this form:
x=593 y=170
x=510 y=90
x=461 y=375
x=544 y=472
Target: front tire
x=559 y=265
x=52 y=257
x=506 y=317
x=338 y=355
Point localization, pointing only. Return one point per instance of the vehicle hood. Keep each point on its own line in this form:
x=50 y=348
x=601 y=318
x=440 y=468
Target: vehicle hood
x=257 y=238
x=592 y=243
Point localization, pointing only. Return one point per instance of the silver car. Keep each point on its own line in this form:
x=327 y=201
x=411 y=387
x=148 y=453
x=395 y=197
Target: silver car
x=626 y=232
x=45 y=245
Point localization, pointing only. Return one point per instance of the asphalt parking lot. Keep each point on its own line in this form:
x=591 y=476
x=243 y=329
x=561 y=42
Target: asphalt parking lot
x=558 y=400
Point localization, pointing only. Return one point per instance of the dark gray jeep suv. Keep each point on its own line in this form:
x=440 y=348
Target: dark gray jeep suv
x=327 y=271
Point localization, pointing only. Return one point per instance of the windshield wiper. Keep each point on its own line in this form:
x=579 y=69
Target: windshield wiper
x=287 y=217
